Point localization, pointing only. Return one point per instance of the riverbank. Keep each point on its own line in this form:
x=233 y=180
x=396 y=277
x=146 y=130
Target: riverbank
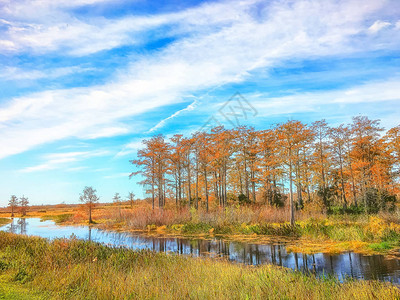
x=313 y=232
x=65 y=269
x=366 y=234
x=4 y=221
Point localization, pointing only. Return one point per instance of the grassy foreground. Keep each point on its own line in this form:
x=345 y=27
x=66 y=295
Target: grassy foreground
x=33 y=268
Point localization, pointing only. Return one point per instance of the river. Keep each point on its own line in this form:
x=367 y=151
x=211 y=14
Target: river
x=346 y=265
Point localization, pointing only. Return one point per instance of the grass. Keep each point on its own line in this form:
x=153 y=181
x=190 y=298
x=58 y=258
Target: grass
x=15 y=291
x=58 y=219
x=71 y=269
x=4 y=221
x=380 y=246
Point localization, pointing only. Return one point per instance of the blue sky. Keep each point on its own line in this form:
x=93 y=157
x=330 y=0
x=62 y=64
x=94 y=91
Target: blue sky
x=84 y=81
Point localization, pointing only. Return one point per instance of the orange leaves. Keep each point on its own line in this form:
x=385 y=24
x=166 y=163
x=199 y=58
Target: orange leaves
x=340 y=162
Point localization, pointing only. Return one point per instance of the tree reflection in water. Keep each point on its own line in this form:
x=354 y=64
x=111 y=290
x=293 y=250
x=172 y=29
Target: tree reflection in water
x=344 y=265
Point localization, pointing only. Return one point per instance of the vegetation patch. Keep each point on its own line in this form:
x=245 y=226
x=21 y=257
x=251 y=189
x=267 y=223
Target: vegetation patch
x=4 y=221
x=58 y=219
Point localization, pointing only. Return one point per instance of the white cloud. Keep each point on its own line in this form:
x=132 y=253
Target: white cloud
x=118 y=175
x=130 y=148
x=76 y=169
x=63 y=159
x=106 y=132
x=14 y=73
x=378 y=25
x=306 y=102
x=161 y=124
x=224 y=42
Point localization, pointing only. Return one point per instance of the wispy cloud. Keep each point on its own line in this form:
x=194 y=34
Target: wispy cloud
x=160 y=124
x=14 y=73
x=297 y=103
x=63 y=159
x=378 y=25
x=218 y=43
x=118 y=175
x=130 y=148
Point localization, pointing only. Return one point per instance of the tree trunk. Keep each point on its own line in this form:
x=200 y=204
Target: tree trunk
x=205 y=181
x=90 y=214
x=342 y=178
x=292 y=221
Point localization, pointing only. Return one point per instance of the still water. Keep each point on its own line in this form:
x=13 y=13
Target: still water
x=345 y=265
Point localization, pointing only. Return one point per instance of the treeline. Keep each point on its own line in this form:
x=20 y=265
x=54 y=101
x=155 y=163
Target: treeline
x=353 y=165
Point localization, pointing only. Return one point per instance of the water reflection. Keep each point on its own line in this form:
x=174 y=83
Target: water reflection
x=17 y=226
x=344 y=265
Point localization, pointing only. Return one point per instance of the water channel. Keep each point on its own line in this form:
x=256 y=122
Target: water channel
x=343 y=266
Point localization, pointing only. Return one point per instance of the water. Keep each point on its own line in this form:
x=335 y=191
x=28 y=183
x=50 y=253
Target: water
x=345 y=265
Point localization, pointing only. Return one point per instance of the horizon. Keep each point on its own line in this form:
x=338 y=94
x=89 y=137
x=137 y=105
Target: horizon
x=85 y=82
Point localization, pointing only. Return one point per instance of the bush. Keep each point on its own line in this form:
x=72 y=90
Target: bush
x=196 y=228
x=242 y=198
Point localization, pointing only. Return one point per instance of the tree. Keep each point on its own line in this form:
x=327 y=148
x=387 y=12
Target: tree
x=336 y=166
x=176 y=167
x=365 y=151
x=153 y=162
x=291 y=136
x=13 y=203
x=117 y=201
x=321 y=131
x=131 y=198
x=23 y=203
x=89 y=198
x=338 y=136
x=204 y=159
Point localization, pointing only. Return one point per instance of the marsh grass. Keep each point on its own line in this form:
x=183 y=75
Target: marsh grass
x=73 y=269
x=4 y=221
x=58 y=219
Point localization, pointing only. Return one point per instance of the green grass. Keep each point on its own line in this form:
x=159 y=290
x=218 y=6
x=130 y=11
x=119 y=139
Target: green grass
x=381 y=246
x=15 y=291
x=71 y=269
x=58 y=219
x=371 y=230
x=4 y=221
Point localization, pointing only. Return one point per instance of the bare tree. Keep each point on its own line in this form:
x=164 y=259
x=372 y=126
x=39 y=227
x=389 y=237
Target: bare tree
x=131 y=198
x=23 y=202
x=89 y=198
x=13 y=203
x=117 y=201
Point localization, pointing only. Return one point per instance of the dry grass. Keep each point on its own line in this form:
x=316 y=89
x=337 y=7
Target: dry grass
x=72 y=269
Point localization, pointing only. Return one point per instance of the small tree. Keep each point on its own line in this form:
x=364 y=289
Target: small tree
x=89 y=198
x=117 y=201
x=13 y=203
x=24 y=202
x=131 y=198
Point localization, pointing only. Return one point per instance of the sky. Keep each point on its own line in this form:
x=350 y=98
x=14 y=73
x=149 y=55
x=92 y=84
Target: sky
x=83 y=82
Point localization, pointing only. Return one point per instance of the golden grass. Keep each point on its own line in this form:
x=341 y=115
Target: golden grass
x=72 y=269
x=4 y=221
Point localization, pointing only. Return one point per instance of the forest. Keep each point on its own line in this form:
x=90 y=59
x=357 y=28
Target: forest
x=347 y=168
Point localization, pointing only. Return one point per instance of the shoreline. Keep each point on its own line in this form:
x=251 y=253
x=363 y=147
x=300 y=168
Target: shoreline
x=301 y=244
